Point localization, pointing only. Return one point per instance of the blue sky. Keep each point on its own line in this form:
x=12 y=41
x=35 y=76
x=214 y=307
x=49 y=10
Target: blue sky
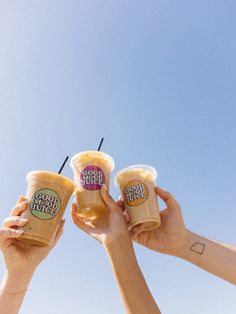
x=157 y=80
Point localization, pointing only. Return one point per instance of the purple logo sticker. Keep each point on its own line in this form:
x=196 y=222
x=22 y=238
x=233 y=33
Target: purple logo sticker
x=92 y=178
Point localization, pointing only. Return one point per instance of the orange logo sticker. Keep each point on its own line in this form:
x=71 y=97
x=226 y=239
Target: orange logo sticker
x=136 y=193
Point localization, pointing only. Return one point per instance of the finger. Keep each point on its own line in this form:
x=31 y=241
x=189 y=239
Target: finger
x=19 y=208
x=167 y=198
x=10 y=233
x=14 y=221
x=121 y=198
x=120 y=203
x=136 y=231
x=59 y=232
x=78 y=222
x=164 y=213
x=6 y=243
x=111 y=204
x=21 y=199
x=127 y=217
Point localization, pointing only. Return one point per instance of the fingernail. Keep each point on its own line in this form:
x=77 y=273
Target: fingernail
x=19 y=231
x=23 y=219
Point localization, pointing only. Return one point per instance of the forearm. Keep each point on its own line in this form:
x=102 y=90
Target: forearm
x=215 y=257
x=12 y=291
x=135 y=293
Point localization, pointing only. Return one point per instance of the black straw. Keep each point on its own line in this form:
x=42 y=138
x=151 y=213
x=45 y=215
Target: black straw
x=100 y=145
x=63 y=165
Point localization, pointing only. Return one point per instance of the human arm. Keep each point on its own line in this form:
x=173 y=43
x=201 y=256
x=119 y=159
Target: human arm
x=173 y=238
x=111 y=231
x=213 y=256
x=21 y=260
x=13 y=289
x=133 y=288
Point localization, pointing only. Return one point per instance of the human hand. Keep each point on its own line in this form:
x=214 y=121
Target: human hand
x=20 y=256
x=107 y=229
x=171 y=236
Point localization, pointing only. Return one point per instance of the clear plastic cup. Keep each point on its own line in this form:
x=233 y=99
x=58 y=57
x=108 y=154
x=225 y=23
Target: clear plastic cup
x=48 y=194
x=137 y=184
x=91 y=170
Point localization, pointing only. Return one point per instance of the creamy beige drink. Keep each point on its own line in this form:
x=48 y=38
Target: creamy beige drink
x=136 y=184
x=91 y=170
x=48 y=194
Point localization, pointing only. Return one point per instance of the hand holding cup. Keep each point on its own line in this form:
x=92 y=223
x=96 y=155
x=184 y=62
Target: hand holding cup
x=107 y=229
x=171 y=236
x=20 y=256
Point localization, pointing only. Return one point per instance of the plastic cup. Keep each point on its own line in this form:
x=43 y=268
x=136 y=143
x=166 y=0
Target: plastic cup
x=137 y=184
x=48 y=194
x=91 y=170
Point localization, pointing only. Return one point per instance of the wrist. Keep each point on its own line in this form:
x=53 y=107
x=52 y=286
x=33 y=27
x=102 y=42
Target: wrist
x=184 y=247
x=122 y=257
x=16 y=282
x=20 y=274
x=119 y=245
x=20 y=268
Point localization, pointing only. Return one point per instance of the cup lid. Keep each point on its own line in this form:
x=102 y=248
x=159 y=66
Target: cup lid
x=95 y=153
x=151 y=170
x=52 y=175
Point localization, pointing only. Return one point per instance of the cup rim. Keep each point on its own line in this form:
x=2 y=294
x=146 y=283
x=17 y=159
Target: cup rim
x=112 y=162
x=35 y=172
x=149 y=168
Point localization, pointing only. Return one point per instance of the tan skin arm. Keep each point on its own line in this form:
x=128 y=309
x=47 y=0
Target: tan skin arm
x=133 y=288
x=111 y=231
x=21 y=260
x=174 y=239
x=215 y=257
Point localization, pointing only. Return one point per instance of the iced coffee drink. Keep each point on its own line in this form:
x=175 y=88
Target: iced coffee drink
x=137 y=184
x=91 y=170
x=48 y=194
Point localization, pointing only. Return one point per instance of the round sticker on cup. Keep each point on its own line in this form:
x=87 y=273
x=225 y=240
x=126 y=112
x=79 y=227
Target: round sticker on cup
x=45 y=204
x=136 y=193
x=92 y=178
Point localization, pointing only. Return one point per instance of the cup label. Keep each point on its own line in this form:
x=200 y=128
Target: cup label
x=136 y=193
x=45 y=204
x=92 y=178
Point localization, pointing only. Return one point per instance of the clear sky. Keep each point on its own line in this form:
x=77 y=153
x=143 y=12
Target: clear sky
x=157 y=79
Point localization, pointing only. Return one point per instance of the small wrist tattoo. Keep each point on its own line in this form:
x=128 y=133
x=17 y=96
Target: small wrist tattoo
x=198 y=248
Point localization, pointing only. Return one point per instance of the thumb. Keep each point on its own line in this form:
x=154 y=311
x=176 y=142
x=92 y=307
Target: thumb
x=124 y=211
x=111 y=204
x=135 y=231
